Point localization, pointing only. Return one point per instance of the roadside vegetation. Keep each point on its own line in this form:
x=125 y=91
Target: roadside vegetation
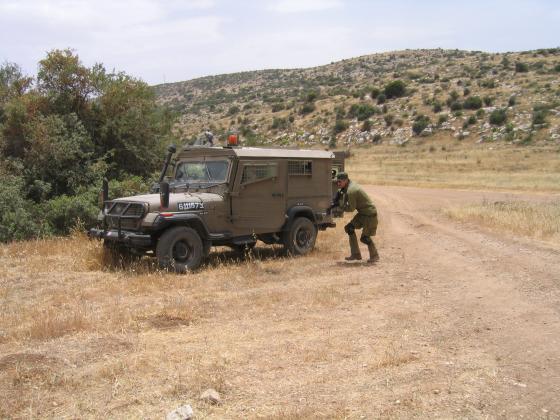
x=62 y=132
x=535 y=220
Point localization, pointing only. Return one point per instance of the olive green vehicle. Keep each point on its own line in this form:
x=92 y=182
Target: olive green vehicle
x=224 y=196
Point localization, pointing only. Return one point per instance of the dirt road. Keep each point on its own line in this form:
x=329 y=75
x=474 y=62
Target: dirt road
x=453 y=322
x=483 y=308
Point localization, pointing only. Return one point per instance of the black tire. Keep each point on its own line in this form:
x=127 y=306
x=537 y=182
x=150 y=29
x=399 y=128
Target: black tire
x=180 y=249
x=300 y=238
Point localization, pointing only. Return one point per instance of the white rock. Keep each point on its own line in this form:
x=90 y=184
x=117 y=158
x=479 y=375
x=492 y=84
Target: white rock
x=185 y=412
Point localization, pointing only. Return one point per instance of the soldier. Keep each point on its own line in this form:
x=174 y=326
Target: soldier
x=353 y=197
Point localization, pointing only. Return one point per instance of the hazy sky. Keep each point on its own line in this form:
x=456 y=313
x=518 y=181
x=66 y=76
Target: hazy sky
x=173 y=40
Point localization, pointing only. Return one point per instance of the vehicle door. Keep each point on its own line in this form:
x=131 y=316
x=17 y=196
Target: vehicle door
x=258 y=197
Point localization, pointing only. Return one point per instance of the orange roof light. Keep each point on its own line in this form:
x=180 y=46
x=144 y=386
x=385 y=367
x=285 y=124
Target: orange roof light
x=232 y=140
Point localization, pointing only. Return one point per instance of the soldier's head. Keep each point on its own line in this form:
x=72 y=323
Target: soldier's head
x=342 y=180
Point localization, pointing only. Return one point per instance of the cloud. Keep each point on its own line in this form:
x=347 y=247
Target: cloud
x=299 y=6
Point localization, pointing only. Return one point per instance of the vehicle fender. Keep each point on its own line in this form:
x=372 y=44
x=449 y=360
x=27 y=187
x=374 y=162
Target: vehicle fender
x=298 y=211
x=184 y=219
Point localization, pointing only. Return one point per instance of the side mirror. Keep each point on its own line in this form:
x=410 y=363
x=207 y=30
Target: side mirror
x=164 y=194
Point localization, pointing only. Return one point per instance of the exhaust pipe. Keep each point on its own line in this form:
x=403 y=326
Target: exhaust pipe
x=170 y=151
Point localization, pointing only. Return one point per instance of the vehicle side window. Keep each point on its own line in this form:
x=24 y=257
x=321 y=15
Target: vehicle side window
x=300 y=167
x=258 y=172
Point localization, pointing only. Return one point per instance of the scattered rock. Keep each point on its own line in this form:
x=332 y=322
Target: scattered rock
x=185 y=412
x=211 y=396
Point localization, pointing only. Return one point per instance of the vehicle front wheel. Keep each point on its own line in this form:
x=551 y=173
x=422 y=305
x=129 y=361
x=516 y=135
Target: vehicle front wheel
x=180 y=249
x=300 y=238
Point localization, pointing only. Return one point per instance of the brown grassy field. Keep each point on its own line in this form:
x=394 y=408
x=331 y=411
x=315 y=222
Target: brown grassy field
x=434 y=330
x=445 y=163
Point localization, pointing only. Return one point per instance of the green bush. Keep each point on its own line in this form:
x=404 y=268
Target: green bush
x=420 y=123
x=473 y=102
x=389 y=118
x=279 y=123
x=512 y=100
x=437 y=107
x=307 y=108
x=395 y=89
x=361 y=111
x=381 y=98
x=521 y=67
x=18 y=216
x=488 y=100
x=340 y=125
x=63 y=213
x=498 y=117
x=539 y=117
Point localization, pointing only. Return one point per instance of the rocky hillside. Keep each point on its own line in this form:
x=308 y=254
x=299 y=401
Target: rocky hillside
x=391 y=97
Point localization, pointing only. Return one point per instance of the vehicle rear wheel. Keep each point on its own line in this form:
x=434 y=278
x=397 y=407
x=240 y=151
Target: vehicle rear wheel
x=300 y=238
x=180 y=249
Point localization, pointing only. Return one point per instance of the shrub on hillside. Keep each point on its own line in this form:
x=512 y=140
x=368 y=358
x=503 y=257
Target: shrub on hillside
x=488 y=100
x=395 y=89
x=539 y=117
x=497 y=117
x=307 y=108
x=361 y=111
x=473 y=102
x=381 y=98
x=420 y=123
x=389 y=118
x=340 y=125
x=521 y=67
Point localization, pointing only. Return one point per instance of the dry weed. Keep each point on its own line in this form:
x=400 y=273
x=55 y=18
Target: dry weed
x=536 y=220
x=452 y=164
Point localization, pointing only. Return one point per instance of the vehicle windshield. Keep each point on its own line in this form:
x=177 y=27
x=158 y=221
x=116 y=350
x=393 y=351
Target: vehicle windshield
x=196 y=171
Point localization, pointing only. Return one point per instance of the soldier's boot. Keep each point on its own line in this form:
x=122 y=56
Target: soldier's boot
x=373 y=254
x=354 y=248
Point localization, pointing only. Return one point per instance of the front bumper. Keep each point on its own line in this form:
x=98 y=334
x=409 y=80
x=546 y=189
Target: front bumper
x=131 y=239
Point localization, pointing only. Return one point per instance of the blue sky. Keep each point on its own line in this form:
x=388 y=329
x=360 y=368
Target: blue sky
x=174 y=40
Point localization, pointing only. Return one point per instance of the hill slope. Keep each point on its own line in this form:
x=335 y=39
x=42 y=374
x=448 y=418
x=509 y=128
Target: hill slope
x=479 y=96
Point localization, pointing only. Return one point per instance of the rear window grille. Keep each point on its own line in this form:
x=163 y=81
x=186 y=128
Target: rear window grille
x=300 y=167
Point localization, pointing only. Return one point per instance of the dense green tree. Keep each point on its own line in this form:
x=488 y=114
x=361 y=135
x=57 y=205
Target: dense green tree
x=59 y=137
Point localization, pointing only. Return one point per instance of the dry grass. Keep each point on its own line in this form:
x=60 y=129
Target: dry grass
x=535 y=220
x=440 y=163
x=278 y=337
x=133 y=340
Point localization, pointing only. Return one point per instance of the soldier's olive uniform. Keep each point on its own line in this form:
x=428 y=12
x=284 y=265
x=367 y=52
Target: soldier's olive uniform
x=355 y=198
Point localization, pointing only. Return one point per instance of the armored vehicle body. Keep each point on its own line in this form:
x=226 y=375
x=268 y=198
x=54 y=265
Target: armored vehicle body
x=232 y=196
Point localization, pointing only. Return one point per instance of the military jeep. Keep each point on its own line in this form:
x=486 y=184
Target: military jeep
x=223 y=196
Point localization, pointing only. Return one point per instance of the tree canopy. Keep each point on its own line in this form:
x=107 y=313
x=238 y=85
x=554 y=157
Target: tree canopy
x=64 y=130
